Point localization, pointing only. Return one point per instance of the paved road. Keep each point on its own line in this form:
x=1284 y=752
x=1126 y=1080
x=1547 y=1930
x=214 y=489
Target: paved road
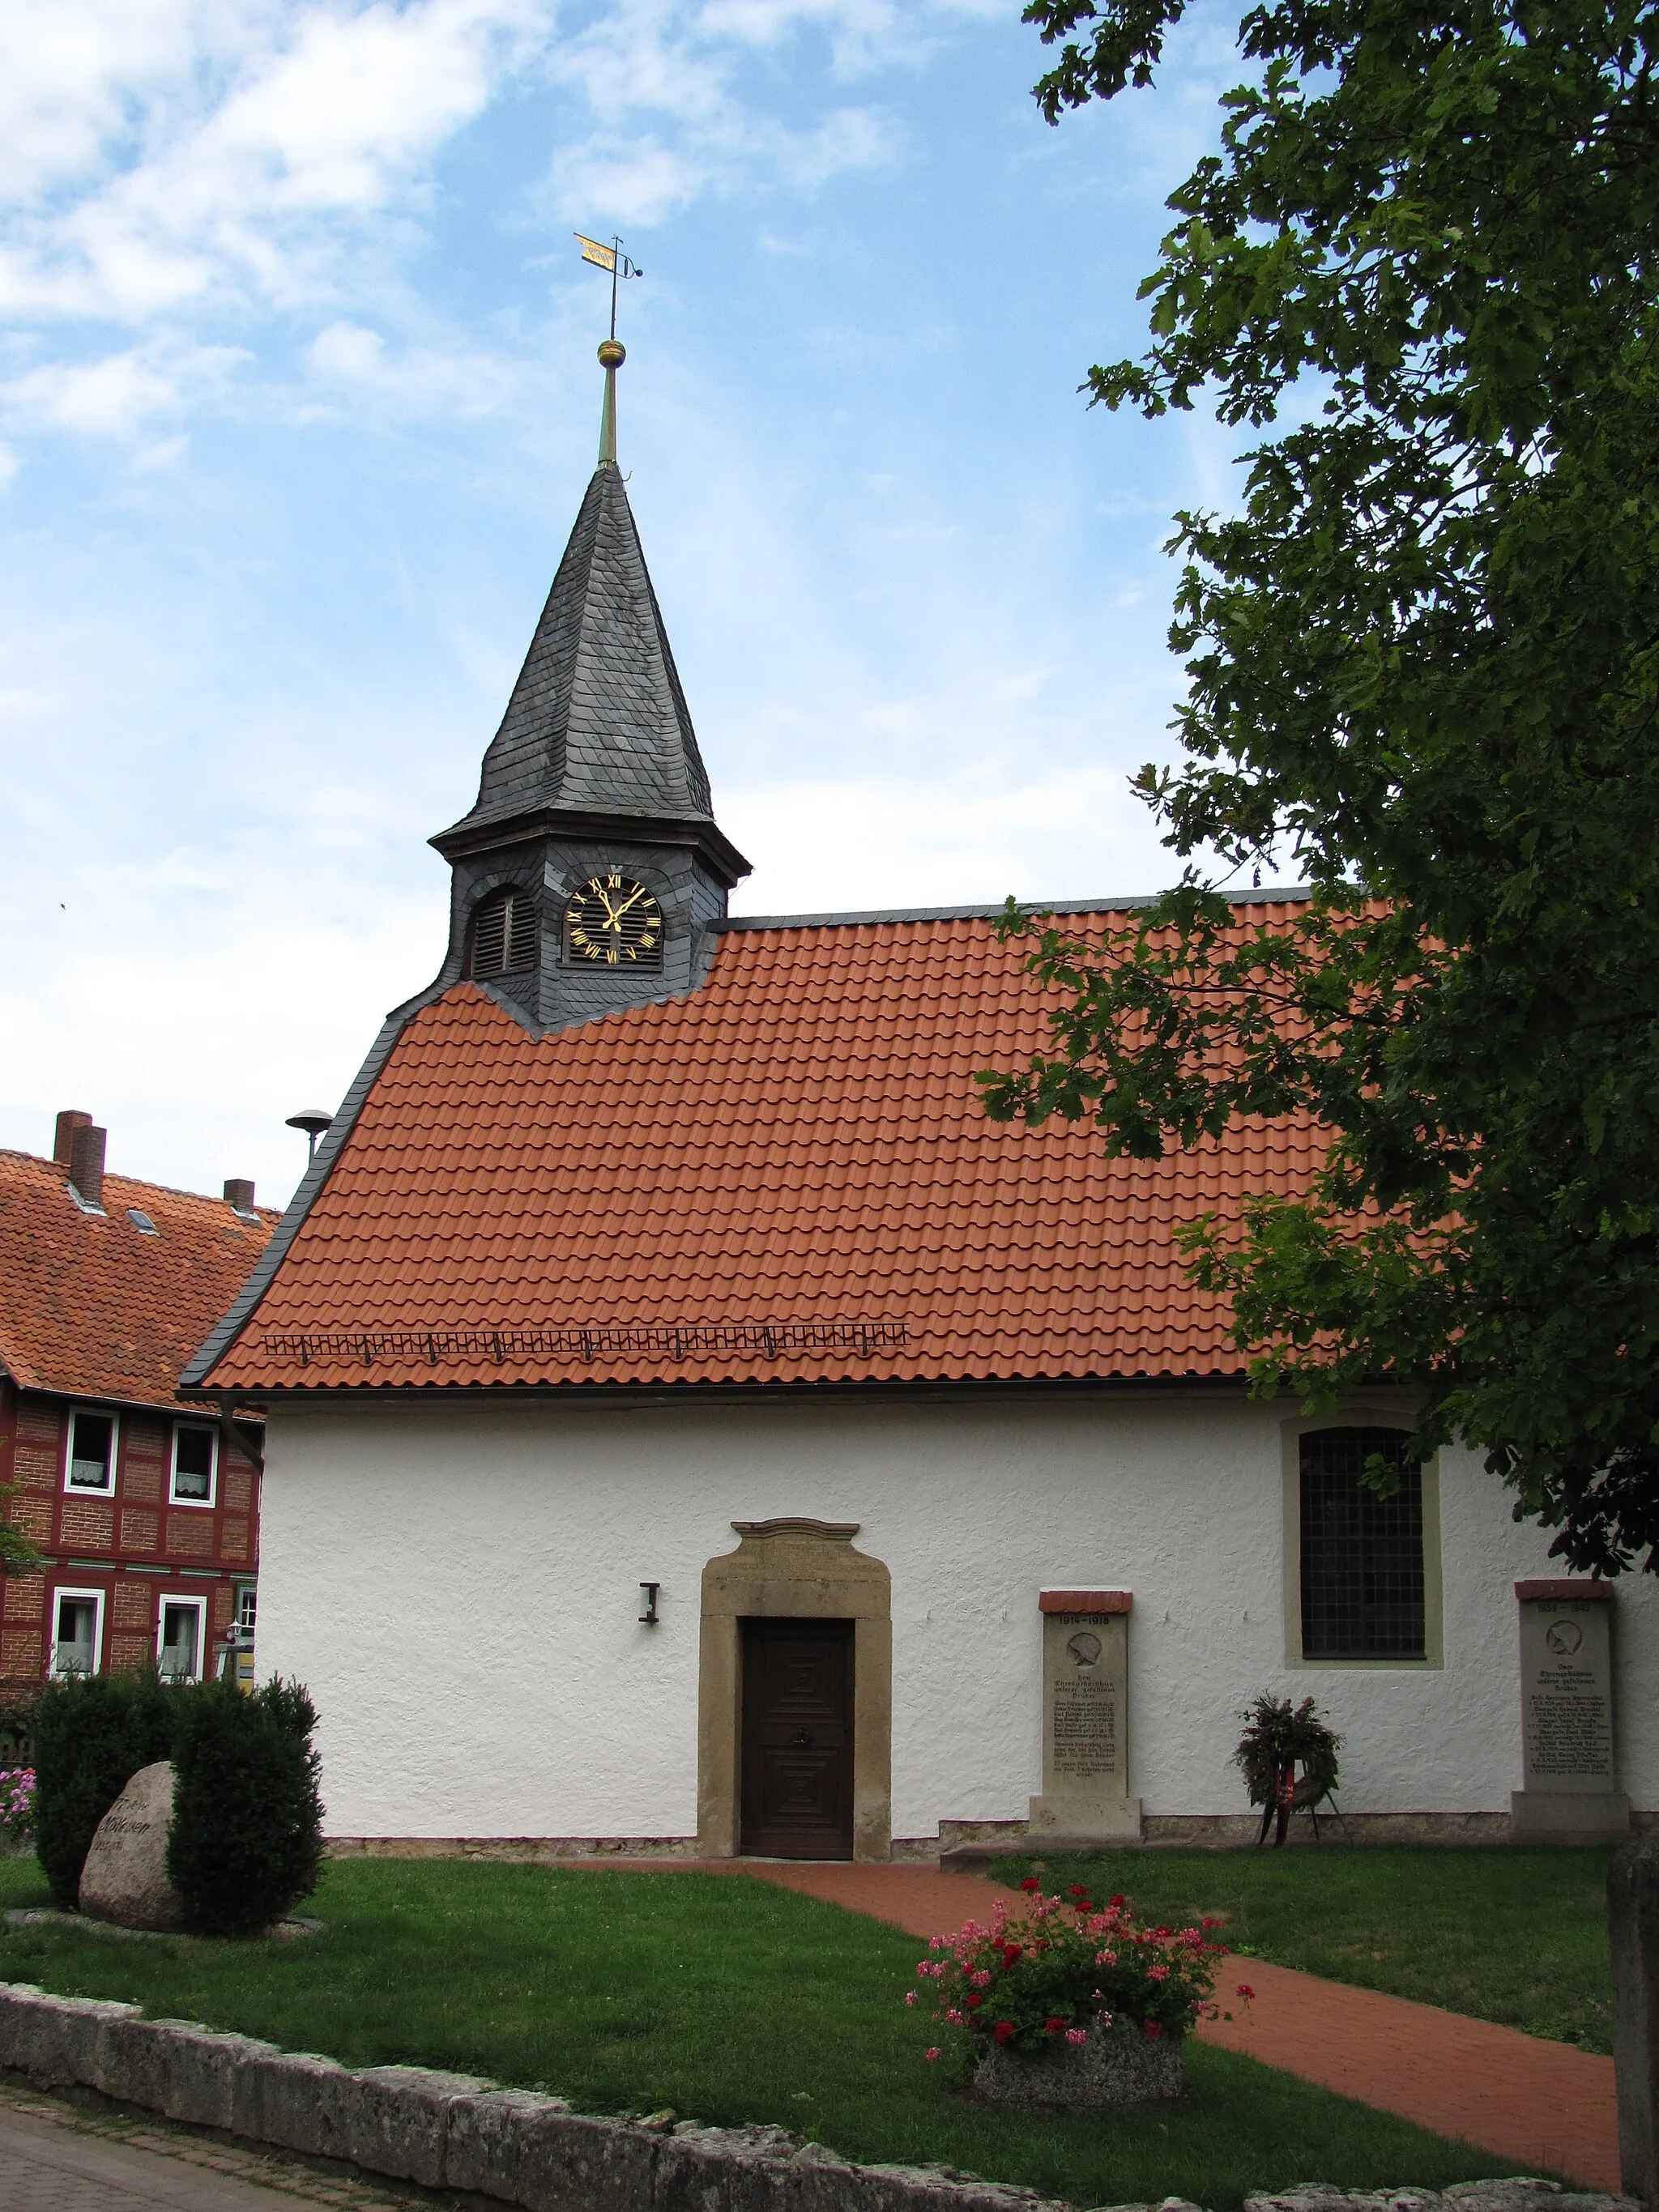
x=45 y=2167
x=54 y=2158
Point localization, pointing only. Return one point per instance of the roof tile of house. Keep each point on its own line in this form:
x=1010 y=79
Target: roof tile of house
x=797 y=1148
x=92 y=1306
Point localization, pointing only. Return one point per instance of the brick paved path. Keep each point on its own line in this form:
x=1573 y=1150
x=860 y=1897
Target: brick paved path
x=1545 y=2105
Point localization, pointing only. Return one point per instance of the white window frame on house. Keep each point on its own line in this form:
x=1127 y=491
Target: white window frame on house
x=106 y=1488
x=59 y=1591
x=199 y=1428
x=1366 y=1414
x=173 y=1602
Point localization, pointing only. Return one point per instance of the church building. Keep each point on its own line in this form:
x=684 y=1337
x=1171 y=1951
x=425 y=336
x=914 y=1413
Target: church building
x=693 y=1428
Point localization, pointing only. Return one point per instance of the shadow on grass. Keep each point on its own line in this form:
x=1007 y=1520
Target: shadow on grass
x=731 y=2001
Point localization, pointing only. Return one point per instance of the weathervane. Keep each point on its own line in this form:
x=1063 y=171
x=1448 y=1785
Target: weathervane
x=612 y=353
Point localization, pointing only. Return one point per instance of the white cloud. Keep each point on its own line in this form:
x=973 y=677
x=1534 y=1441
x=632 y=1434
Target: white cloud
x=672 y=123
x=117 y=396
x=191 y=168
x=224 y=154
x=350 y=361
x=872 y=842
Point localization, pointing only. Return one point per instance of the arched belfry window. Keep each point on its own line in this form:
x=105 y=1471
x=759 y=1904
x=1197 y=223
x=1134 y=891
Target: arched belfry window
x=505 y=934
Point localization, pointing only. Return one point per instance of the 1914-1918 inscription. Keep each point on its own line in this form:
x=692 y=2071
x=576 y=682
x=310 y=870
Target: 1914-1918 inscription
x=1085 y=1780
x=1566 y=1695
x=1568 y=1751
x=1083 y=1707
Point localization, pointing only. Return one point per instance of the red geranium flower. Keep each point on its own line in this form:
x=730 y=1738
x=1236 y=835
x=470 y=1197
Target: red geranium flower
x=1246 y=1991
x=1152 y=2028
x=1119 y=1899
x=1003 y=2030
x=1076 y=1890
x=1010 y=1952
x=974 y=2003
x=1030 y=1883
x=1054 y=2026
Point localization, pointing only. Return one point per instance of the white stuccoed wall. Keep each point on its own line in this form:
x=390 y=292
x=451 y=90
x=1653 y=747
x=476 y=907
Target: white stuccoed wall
x=459 y=1585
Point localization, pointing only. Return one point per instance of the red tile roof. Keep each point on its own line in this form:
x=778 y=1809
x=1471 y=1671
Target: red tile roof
x=93 y=1307
x=797 y=1145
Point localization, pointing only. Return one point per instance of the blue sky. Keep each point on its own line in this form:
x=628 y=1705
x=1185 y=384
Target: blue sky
x=297 y=402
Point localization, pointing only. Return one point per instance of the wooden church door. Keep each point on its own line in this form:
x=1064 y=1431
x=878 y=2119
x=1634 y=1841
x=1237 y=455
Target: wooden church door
x=797 y=1738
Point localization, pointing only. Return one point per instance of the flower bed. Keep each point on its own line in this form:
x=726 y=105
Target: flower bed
x=17 y=1809
x=1061 y=2002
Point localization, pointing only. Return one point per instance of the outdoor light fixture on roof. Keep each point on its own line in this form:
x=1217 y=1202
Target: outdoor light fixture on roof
x=314 y=1121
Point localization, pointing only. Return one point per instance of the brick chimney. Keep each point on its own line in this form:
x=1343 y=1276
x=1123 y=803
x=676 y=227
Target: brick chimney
x=239 y=1194
x=68 y=1122
x=86 y=1162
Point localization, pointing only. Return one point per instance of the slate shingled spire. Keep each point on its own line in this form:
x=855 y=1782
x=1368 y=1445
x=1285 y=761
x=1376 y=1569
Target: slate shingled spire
x=597 y=720
x=595 y=768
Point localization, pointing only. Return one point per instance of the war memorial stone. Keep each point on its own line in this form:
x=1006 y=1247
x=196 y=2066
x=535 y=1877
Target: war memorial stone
x=1085 y=1712
x=1568 y=1767
x=125 y=1878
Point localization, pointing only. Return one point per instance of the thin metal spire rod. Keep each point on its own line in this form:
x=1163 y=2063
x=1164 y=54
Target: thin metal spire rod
x=611 y=355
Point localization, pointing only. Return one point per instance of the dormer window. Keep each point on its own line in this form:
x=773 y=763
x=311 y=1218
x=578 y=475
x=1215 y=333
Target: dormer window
x=505 y=935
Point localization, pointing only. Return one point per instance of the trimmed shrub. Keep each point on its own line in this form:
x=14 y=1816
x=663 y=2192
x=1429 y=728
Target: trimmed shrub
x=246 y=1842
x=92 y=1734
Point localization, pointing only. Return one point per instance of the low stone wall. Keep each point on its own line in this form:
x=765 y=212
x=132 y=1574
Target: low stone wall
x=456 y=2131
x=452 y=2131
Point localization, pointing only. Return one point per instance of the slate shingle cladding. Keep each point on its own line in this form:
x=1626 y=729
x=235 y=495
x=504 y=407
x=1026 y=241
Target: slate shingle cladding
x=597 y=719
x=594 y=768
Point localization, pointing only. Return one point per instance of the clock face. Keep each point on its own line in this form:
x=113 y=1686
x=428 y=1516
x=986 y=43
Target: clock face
x=613 y=919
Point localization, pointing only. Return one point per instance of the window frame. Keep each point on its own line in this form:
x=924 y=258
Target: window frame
x=1361 y=1414
x=179 y=1599
x=60 y=1590
x=202 y=1504
x=99 y=1413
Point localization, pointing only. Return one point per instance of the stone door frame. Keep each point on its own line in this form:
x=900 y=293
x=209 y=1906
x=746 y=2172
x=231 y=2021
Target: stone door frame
x=801 y=1570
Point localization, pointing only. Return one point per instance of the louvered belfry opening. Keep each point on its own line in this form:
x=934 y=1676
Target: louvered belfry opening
x=505 y=935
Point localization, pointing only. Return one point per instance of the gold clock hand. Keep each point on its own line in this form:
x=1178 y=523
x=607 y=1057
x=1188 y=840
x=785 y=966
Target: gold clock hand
x=638 y=892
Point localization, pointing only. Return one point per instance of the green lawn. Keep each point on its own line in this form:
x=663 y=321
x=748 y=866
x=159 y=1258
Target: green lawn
x=1515 y=1936
x=728 y=2000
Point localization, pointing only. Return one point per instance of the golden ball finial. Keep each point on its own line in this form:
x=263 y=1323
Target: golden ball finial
x=612 y=353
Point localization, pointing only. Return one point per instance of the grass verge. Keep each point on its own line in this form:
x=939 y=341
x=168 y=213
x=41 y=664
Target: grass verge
x=729 y=2000
x=1510 y=1934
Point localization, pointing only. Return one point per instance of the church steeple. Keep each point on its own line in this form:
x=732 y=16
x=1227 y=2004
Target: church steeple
x=594 y=773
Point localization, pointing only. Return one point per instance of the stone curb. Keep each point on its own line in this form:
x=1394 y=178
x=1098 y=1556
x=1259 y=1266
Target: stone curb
x=456 y=2132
